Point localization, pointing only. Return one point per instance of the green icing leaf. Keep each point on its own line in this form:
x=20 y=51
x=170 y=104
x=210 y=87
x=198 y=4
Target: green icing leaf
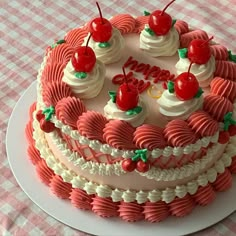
x=146 y=13
x=61 y=41
x=173 y=22
x=104 y=45
x=49 y=111
x=151 y=32
x=232 y=57
x=183 y=52
x=228 y=120
x=53 y=45
x=140 y=154
x=199 y=93
x=81 y=75
x=171 y=86
x=112 y=95
x=134 y=111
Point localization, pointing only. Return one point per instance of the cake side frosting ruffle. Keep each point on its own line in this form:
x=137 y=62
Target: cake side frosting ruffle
x=131 y=211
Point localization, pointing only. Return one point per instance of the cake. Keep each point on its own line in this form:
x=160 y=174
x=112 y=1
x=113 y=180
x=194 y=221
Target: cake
x=142 y=127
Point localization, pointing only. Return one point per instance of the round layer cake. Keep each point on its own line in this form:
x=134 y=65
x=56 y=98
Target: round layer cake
x=117 y=135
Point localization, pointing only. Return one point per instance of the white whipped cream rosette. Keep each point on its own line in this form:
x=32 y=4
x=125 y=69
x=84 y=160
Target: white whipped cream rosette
x=88 y=87
x=164 y=45
x=172 y=108
x=111 y=52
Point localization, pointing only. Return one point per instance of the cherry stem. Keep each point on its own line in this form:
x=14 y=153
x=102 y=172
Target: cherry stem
x=100 y=12
x=86 y=46
x=189 y=68
x=125 y=77
x=166 y=7
x=207 y=41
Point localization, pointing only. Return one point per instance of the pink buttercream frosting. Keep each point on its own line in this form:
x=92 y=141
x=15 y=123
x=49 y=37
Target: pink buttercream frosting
x=181 y=27
x=155 y=212
x=140 y=23
x=29 y=132
x=69 y=109
x=232 y=167
x=226 y=70
x=61 y=53
x=91 y=125
x=178 y=133
x=223 y=181
x=125 y=23
x=149 y=136
x=182 y=206
x=224 y=88
x=80 y=199
x=54 y=92
x=31 y=110
x=130 y=211
x=60 y=188
x=52 y=72
x=202 y=123
x=76 y=37
x=119 y=134
x=220 y=52
x=217 y=106
x=204 y=195
x=104 y=207
x=186 y=38
x=34 y=154
x=44 y=172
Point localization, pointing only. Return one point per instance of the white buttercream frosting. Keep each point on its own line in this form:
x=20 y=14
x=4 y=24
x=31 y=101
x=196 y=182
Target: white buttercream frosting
x=88 y=87
x=111 y=53
x=111 y=111
x=155 y=46
x=204 y=73
x=172 y=107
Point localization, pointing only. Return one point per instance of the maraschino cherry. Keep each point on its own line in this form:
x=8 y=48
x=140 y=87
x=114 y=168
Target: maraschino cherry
x=100 y=28
x=127 y=95
x=84 y=58
x=186 y=85
x=160 y=22
x=199 y=51
x=128 y=165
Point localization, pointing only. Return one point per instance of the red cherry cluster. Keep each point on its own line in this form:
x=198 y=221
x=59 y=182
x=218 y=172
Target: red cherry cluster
x=45 y=125
x=100 y=28
x=127 y=95
x=199 y=51
x=129 y=165
x=160 y=22
x=186 y=85
x=84 y=58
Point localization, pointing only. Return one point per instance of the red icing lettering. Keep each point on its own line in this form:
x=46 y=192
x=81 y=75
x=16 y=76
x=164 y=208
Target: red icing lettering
x=144 y=68
x=131 y=62
x=154 y=73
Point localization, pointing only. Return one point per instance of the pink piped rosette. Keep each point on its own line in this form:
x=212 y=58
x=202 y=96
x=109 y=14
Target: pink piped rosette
x=125 y=23
x=69 y=109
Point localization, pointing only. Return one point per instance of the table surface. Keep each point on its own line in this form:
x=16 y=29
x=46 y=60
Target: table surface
x=26 y=28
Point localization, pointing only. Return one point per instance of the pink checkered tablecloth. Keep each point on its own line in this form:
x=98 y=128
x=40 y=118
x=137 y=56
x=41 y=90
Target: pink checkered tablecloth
x=26 y=28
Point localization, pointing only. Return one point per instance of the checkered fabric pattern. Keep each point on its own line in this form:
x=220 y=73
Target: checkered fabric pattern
x=26 y=28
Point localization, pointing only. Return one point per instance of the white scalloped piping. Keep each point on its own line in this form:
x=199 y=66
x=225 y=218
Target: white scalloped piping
x=167 y=195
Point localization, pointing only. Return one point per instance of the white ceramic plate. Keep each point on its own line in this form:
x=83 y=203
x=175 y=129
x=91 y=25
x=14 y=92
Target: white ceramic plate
x=63 y=211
